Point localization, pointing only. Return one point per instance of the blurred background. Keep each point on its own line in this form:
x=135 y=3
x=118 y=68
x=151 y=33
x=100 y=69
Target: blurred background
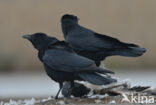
x=128 y=20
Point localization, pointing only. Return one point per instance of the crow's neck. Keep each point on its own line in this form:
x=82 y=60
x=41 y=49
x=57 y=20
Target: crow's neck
x=67 y=26
x=41 y=52
x=46 y=46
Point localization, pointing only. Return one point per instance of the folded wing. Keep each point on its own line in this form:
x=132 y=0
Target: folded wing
x=63 y=60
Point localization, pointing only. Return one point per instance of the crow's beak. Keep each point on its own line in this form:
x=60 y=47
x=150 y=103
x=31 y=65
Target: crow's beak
x=27 y=37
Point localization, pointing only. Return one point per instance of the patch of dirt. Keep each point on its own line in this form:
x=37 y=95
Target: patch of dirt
x=87 y=101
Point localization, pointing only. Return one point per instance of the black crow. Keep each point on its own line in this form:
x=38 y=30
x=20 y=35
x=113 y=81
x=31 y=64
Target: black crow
x=62 y=64
x=92 y=45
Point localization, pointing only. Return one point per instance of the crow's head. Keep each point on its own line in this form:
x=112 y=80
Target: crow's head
x=69 y=17
x=40 y=40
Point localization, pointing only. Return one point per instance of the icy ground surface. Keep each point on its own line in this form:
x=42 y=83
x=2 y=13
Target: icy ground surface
x=40 y=85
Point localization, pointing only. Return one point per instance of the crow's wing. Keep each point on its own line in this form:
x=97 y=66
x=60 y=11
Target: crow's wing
x=114 y=41
x=63 y=60
x=82 y=38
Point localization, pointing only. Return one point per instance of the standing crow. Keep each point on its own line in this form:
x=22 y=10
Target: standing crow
x=63 y=64
x=95 y=46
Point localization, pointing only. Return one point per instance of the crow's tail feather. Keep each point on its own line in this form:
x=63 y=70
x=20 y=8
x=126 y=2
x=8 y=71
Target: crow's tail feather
x=129 y=50
x=96 y=79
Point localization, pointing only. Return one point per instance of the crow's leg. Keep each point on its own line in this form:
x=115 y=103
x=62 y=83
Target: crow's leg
x=60 y=85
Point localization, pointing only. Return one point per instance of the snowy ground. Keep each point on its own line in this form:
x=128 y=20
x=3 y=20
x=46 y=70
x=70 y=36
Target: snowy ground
x=40 y=85
x=18 y=89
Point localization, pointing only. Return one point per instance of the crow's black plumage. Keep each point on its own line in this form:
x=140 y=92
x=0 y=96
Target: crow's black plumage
x=93 y=45
x=62 y=64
